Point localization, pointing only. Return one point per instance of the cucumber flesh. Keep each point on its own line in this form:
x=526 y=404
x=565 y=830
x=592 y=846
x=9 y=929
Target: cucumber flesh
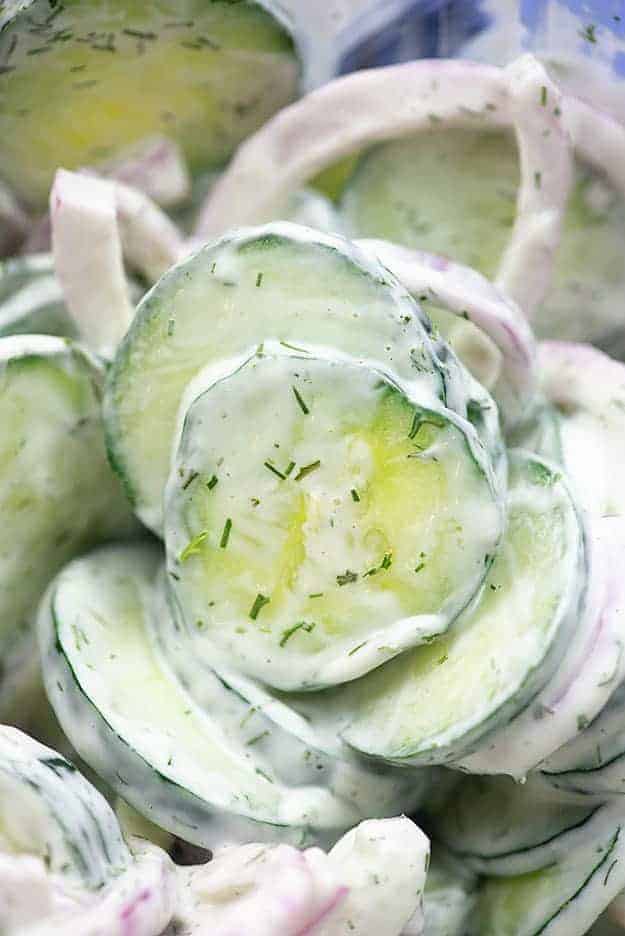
x=31 y=299
x=187 y=770
x=86 y=80
x=451 y=192
x=57 y=493
x=302 y=475
x=291 y=745
x=502 y=828
x=280 y=282
x=449 y=896
x=47 y=809
x=564 y=899
x=431 y=704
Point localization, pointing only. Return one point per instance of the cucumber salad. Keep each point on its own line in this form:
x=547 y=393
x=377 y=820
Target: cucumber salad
x=312 y=536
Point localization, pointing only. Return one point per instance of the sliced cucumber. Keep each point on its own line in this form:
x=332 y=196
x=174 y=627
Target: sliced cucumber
x=449 y=191
x=431 y=704
x=199 y=774
x=502 y=828
x=561 y=900
x=57 y=493
x=290 y=745
x=308 y=474
x=279 y=282
x=31 y=299
x=586 y=299
x=449 y=896
x=83 y=80
x=593 y=763
x=591 y=667
x=49 y=810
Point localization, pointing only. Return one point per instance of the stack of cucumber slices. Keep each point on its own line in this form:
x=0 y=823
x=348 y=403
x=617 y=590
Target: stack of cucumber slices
x=316 y=536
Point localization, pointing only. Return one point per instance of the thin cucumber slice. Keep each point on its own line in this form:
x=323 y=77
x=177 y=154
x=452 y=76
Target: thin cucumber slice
x=280 y=282
x=31 y=299
x=591 y=668
x=586 y=298
x=593 y=762
x=309 y=474
x=449 y=191
x=58 y=495
x=188 y=771
x=564 y=899
x=431 y=704
x=449 y=896
x=289 y=744
x=49 y=810
x=502 y=828
x=82 y=81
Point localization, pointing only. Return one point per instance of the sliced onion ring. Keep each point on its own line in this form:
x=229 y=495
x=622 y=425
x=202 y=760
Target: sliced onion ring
x=95 y=223
x=381 y=104
x=469 y=295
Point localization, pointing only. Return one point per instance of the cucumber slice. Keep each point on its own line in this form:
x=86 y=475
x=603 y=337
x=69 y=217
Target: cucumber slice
x=591 y=667
x=57 y=493
x=593 y=762
x=81 y=81
x=321 y=476
x=31 y=299
x=49 y=810
x=290 y=745
x=277 y=282
x=194 y=773
x=586 y=298
x=564 y=899
x=449 y=897
x=435 y=702
x=502 y=828
x=450 y=191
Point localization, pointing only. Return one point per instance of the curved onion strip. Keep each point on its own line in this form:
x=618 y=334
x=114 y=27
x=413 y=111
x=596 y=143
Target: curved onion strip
x=139 y=902
x=95 y=221
x=598 y=139
x=589 y=388
x=370 y=106
x=592 y=667
x=468 y=294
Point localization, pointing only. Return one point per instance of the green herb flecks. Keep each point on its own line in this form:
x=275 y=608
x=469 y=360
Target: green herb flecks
x=307 y=469
x=225 y=536
x=538 y=179
x=347 y=577
x=302 y=404
x=190 y=479
x=355 y=495
x=589 y=33
x=301 y=625
x=212 y=482
x=543 y=96
x=259 y=603
x=357 y=648
x=276 y=471
x=386 y=563
x=194 y=546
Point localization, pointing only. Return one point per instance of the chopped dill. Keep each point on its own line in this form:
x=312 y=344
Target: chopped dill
x=301 y=402
x=225 y=536
x=355 y=495
x=347 y=577
x=194 y=546
x=301 y=625
x=275 y=470
x=307 y=469
x=212 y=482
x=259 y=603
